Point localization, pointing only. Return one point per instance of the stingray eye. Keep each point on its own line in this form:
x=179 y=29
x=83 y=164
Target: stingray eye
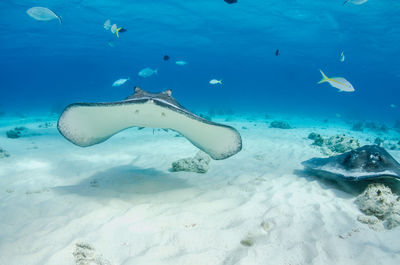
x=347 y=159
x=168 y=92
x=375 y=158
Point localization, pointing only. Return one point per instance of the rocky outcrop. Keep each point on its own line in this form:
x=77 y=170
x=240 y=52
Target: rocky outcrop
x=3 y=153
x=280 y=125
x=85 y=254
x=17 y=132
x=199 y=163
x=334 y=145
x=379 y=201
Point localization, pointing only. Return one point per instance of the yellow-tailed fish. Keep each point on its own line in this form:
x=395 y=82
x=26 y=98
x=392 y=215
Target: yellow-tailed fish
x=118 y=29
x=339 y=82
x=115 y=30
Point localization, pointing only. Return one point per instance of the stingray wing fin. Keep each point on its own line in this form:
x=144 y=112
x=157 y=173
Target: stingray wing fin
x=86 y=124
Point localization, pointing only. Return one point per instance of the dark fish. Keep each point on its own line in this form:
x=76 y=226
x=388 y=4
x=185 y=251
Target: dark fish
x=122 y=30
x=166 y=57
x=277 y=52
x=231 y=1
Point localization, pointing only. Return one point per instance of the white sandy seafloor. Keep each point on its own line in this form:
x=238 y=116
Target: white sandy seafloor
x=121 y=199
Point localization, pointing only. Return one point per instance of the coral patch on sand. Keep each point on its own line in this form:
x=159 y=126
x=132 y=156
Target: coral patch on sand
x=199 y=163
x=85 y=254
x=17 y=132
x=280 y=125
x=334 y=145
x=3 y=153
x=379 y=201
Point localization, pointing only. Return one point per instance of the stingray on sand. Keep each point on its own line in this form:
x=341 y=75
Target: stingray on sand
x=87 y=124
x=364 y=163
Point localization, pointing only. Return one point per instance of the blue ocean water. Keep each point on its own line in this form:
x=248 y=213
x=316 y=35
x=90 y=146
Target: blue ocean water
x=46 y=65
x=121 y=201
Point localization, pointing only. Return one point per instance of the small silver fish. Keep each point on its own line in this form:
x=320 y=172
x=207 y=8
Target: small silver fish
x=342 y=56
x=43 y=14
x=146 y=72
x=355 y=2
x=120 y=82
x=215 y=81
x=181 y=62
x=107 y=24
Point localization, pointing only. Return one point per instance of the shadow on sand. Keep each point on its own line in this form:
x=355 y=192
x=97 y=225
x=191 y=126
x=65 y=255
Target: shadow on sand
x=125 y=181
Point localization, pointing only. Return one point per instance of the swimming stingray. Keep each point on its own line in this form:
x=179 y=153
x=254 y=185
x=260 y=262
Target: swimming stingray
x=367 y=162
x=87 y=124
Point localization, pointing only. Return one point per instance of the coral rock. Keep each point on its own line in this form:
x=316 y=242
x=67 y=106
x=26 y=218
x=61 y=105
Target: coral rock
x=318 y=139
x=85 y=254
x=199 y=163
x=377 y=200
x=334 y=145
x=16 y=132
x=3 y=153
x=280 y=125
x=393 y=221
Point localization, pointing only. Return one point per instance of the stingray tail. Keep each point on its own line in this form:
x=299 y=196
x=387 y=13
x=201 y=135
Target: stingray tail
x=324 y=77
